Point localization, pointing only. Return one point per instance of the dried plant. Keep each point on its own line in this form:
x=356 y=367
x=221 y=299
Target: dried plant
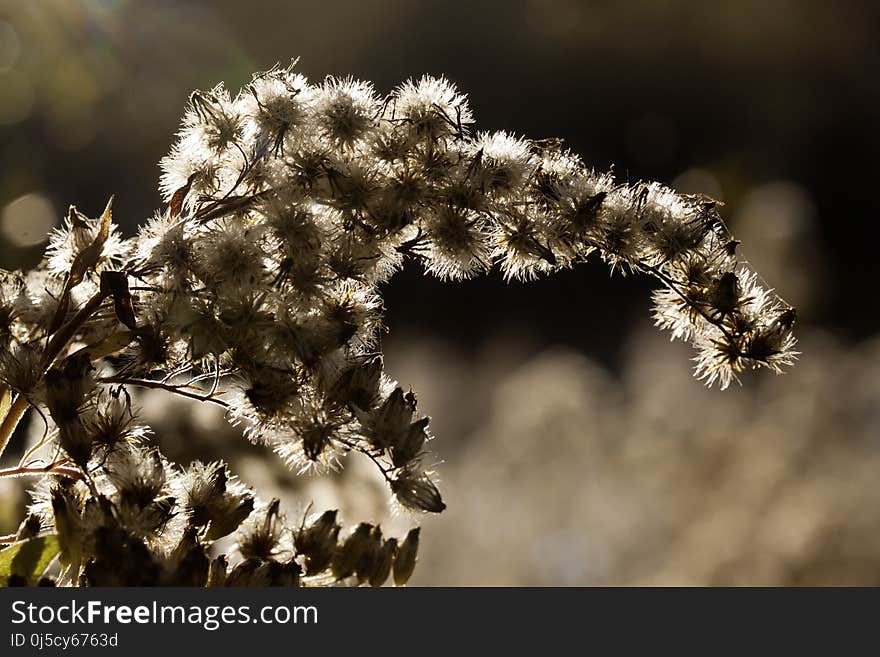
x=257 y=289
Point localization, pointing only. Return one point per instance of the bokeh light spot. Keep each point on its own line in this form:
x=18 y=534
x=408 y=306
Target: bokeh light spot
x=27 y=220
x=17 y=98
x=10 y=46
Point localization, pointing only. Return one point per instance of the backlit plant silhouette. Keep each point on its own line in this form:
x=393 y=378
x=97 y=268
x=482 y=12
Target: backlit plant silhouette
x=257 y=289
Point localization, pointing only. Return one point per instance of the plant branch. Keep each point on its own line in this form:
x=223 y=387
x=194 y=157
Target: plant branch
x=10 y=422
x=9 y=473
x=368 y=454
x=61 y=338
x=672 y=285
x=182 y=390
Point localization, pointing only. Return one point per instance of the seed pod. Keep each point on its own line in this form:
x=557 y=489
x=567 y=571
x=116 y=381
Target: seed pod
x=274 y=573
x=724 y=294
x=261 y=538
x=193 y=569
x=405 y=560
x=786 y=320
x=245 y=573
x=68 y=525
x=416 y=491
x=411 y=445
x=139 y=475
x=289 y=574
x=187 y=542
x=111 y=425
x=121 y=559
x=316 y=436
x=369 y=559
x=223 y=525
x=384 y=562
x=74 y=439
x=580 y=211
x=67 y=385
x=207 y=486
x=29 y=527
x=349 y=554
x=158 y=513
x=315 y=534
x=217 y=572
x=391 y=422
x=268 y=574
x=318 y=542
x=359 y=385
x=66 y=388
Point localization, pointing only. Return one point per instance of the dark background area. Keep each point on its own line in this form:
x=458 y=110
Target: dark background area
x=747 y=92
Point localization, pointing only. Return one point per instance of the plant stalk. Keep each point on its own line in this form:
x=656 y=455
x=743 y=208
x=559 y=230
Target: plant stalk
x=10 y=422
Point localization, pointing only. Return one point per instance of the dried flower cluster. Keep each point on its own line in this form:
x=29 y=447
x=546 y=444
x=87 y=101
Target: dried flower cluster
x=257 y=289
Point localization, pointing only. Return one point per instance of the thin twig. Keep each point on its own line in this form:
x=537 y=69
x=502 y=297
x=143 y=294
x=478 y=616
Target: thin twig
x=73 y=473
x=159 y=385
x=366 y=453
x=47 y=436
x=66 y=332
x=10 y=422
x=672 y=285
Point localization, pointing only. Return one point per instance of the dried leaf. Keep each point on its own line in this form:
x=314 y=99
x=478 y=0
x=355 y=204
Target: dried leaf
x=115 y=284
x=84 y=260
x=89 y=256
x=179 y=196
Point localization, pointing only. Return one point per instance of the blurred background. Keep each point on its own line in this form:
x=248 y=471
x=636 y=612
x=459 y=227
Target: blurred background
x=574 y=445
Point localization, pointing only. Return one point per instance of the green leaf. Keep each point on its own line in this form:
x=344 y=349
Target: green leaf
x=28 y=558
